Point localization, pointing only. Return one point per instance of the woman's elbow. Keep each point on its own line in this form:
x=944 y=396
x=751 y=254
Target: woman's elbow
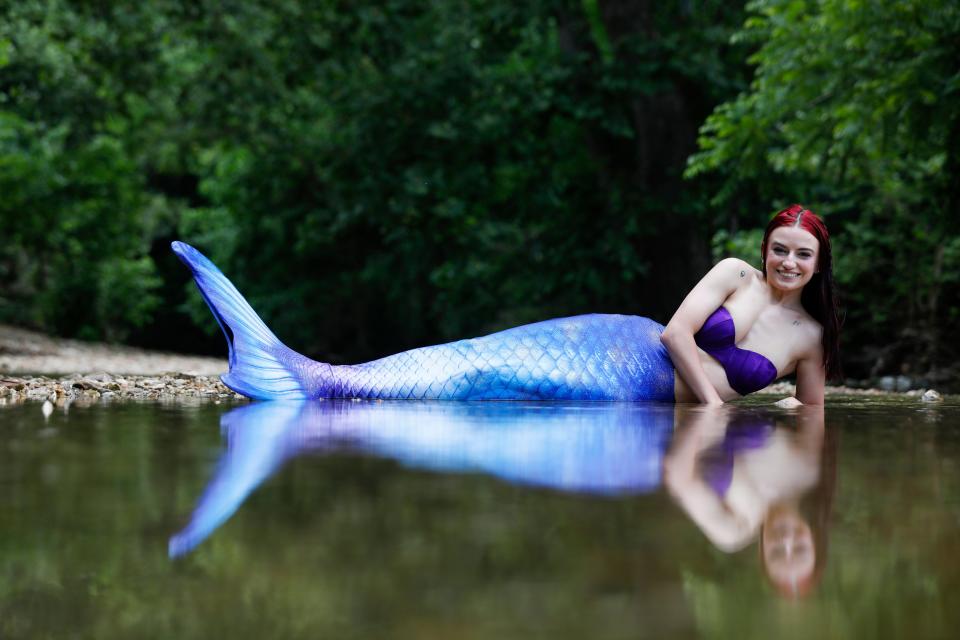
x=667 y=336
x=670 y=336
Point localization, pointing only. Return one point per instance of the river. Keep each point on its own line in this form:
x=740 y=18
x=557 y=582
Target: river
x=480 y=520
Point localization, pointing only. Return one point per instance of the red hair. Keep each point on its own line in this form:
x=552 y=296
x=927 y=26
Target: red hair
x=819 y=297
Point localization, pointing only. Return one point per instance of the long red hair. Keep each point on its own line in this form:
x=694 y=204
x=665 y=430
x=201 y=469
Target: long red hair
x=819 y=297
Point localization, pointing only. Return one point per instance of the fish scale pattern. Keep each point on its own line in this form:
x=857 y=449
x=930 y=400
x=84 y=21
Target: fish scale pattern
x=588 y=357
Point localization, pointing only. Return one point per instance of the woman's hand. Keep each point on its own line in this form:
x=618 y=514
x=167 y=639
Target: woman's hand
x=788 y=403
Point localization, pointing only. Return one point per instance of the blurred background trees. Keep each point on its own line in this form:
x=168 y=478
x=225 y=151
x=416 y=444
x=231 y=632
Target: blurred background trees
x=379 y=175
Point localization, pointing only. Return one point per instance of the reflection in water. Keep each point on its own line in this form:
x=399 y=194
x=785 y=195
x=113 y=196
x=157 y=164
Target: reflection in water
x=739 y=479
x=735 y=473
x=599 y=449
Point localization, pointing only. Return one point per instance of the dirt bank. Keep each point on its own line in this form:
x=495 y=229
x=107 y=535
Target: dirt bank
x=28 y=352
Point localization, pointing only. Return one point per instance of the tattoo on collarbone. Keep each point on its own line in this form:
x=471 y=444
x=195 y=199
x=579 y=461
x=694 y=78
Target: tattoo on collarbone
x=796 y=323
x=743 y=273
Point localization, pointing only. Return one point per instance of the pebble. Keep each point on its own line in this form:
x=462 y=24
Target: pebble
x=931 y=395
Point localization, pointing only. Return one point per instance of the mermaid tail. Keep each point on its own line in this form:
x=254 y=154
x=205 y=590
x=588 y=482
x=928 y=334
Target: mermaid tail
x=588 y=357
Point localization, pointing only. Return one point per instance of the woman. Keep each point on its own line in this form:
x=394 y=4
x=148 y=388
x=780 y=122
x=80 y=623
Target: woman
x=589 y=357
x=754 y=327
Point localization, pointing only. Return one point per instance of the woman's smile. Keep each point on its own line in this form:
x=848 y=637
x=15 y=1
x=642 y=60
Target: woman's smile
x=792 y=254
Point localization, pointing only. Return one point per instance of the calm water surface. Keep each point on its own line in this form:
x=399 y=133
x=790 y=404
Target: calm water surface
x=480 y=520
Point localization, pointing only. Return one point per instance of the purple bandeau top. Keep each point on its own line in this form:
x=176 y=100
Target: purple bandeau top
x=747 y=371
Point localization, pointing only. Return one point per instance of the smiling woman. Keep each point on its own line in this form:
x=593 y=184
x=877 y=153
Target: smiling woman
x=741 y=328
x=736 y=332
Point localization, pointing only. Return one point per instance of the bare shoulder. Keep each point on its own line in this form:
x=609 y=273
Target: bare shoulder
x=735 y=265
x=809 y=332
x=737 y=271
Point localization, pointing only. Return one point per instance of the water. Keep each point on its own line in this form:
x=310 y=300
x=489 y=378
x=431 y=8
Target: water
x=507 y=520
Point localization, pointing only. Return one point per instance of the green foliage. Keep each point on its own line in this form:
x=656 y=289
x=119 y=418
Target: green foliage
x=374 y=175
x=74 y=210
x=404 y=172
x=743 y=244
x=855 y=110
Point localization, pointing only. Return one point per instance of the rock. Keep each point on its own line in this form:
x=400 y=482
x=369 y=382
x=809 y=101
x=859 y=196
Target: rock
x=931 y=395
x=788 y=403
x=904 y=383
x=888 y=383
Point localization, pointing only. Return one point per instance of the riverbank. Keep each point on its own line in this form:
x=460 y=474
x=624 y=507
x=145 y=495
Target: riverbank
x=35 y=367
x=180 y=386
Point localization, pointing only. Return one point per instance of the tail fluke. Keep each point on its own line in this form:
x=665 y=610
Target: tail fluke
x=261 y=367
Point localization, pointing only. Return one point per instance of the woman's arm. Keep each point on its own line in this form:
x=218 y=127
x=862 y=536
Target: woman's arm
x=811 y=378
x=711 y=292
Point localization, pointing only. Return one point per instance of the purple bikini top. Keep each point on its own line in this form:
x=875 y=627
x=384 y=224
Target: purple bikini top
x=747 y=371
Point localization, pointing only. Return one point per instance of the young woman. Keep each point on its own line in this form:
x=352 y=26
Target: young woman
x=589 y=357
x=740 y=329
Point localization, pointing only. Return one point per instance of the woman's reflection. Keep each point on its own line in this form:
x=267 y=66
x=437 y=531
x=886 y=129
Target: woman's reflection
x=740 y=479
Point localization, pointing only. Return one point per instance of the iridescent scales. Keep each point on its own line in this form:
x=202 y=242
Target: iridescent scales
x=589 y=357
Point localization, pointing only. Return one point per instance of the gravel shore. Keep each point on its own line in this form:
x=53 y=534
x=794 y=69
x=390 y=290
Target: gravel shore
x=98 y=387
x=37 y=367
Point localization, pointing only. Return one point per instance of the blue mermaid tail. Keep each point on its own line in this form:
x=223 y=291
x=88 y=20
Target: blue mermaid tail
x=588 y=357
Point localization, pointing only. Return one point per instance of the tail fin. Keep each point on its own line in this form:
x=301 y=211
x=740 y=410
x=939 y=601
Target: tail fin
x=261 y=367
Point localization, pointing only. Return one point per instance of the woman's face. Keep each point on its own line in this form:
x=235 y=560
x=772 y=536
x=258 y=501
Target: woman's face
x=792 y=257
x=788 y=549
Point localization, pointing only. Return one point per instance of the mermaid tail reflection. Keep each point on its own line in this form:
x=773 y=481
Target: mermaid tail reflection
x=603 y=450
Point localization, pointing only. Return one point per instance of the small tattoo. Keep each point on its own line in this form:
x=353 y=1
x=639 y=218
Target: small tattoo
x=796 y=323
x=743 y=273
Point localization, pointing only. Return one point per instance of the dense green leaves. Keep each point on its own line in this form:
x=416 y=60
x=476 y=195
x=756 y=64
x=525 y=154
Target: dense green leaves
x=855 y=111
x=75 y=215
x=373 y=175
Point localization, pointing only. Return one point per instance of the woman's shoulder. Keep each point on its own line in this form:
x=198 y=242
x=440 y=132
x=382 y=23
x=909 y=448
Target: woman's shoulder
x=811 y=331
x=736 y=264
x=739 y=270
